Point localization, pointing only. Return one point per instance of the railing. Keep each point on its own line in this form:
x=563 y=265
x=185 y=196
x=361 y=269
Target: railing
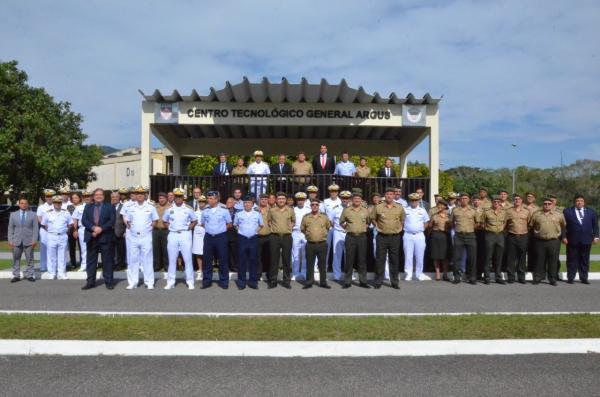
x=289 y=184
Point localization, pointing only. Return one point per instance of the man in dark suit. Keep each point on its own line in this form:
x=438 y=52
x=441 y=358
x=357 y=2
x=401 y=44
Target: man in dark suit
x=99 y=221
x=323 y=166
x=23 y=231
x=221 y=172
x=581 y=233
x=387 y=172
x=281 y=168
x=120 y=261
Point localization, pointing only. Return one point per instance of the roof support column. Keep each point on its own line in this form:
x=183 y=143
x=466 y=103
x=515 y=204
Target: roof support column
x=176 y=163
x=404 y=165
x=434 y=156
x=146 y=155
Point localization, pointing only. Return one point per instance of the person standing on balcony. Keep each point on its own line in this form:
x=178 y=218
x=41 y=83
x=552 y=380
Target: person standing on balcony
x=345 y=169
x=363 y=171
x=323 y=164
x=258 y=185
x=279 y=169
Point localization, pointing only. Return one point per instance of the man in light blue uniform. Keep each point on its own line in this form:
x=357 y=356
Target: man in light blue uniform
x=345 y=167
x=140 y=219
x=215 y=220
x=248 y=223
x=181 y=220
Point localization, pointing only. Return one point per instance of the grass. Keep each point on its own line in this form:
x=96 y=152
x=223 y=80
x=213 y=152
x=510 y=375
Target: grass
x=298 y=329
x=595 y=249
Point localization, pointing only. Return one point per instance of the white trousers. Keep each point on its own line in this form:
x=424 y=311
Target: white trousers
x=414 y=250
x=176 y=243
x=139 y=254
x=298 y=254
x=43 y=236
x=56 y=246
x=338 y=241
x=82 y=247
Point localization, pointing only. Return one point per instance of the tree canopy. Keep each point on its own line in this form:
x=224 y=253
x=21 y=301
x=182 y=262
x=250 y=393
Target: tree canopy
x=41 y=141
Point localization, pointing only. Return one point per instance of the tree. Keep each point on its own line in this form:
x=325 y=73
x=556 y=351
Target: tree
x=41 y=142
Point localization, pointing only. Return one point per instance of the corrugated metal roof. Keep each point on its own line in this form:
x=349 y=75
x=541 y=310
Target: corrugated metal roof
x=265 y=91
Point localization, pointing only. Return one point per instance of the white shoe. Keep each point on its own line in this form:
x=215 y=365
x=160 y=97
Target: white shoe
x=150 y=286
x=82 y=269
x=170 y=285
x=421 y=277
x=408 y=278
x=131 y=287
x=62 y=277
x=48 y=276
x=191 y=286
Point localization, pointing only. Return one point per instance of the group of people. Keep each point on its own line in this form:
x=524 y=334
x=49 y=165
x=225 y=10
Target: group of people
x=255 y=236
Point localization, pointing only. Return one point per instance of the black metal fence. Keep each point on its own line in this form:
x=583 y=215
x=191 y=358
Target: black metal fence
x=289 y=184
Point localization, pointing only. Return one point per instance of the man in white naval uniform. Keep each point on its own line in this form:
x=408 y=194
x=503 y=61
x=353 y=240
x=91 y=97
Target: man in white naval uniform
x=258 y=185
x=181 y=220
x=414 y=238
x=56 y=222
x=299 y=239
x=339 y=234
x=45 y=207
x=140 y=219
x=77 y=215
x=328 y=205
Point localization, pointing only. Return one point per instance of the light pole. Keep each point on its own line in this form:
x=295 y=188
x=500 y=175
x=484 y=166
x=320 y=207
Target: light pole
x=514 y=173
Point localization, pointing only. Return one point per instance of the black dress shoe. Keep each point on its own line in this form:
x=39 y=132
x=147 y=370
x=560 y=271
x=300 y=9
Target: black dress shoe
x=15 y=279
x=486 y=281
x=535 y=282
x=325 y=285
x=286 y=285
x=241 y=287
x=346 y=286
x=510 y=281
x=206 y=285
x=473 y=282
x=272 y=285
x=253 y=286
x=224 y=286
x=500 y=281
x=377 y=286
x=456 y=280
x=110 y=286
x=364 y=285
x=585 y=282
x=553 y=283
x=32 y=279
x=307 y=286
x=395 y=286
x=521 y=281
x=569 y=281
x=88 y=286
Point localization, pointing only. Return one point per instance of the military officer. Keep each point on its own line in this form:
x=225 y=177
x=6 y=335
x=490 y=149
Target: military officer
x=388 y=218
x=493 y=221
x=258 y=185
x=43 y=208
x=547 y=226
x=484 y=199
x=415 y=223
x=301 y=167
x=355 y=220
x=313 y=194
x=559 y=209
x=328 y=204
x=339 y=234
x=216 y=220
x=264 y=237
x=315 y=226
x=56 y=222
x=517 y=226
x=363 y=171
x=77 y=215
x=452 y=197
x=504 y=202
x=180 y=220
x=247 y=223
x=160 y=235
x=465 y=220
x=281 y=220
x=298 y=238
x=139 y=222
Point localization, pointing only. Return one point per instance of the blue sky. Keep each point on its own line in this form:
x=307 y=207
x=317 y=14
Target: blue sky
x=525 y=72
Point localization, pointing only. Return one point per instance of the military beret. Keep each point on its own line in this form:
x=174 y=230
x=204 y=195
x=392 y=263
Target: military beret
x=390 y=189
x=279 y=194
x=300 y=196
x=530 y=194
x=483 y=189
x=502 y=191
x=57 y=199
x=178 y=192
x=515 y=195
x=258 y=153
x=464 y=194
x=414 y=197
x=345 y=194
x=333 y=188
x=375 y=194
x=212 y=193
x=551 y=196
x=442 y=202
x=247 y=197
x=315 y=201
x=312 y=189
x=495 y=197
x=264 y=195
x=49 y=192
x=547 y=199
x=356 y=194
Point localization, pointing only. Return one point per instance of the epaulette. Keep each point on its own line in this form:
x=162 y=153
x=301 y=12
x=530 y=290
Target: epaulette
x=188 y=206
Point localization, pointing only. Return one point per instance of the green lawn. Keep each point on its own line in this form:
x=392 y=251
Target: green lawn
x=298 y=329
x=595 y=249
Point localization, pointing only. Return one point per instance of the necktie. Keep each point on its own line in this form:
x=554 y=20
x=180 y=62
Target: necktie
x=222 y=168
x=323 y=161
x=195 y=205
x=580 y=215
x=22 y=217
x=97 y=215
x=281 y=168
x=387 y=172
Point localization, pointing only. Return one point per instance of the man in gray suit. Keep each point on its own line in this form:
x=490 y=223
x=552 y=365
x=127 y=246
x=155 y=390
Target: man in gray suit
x=22 y=237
